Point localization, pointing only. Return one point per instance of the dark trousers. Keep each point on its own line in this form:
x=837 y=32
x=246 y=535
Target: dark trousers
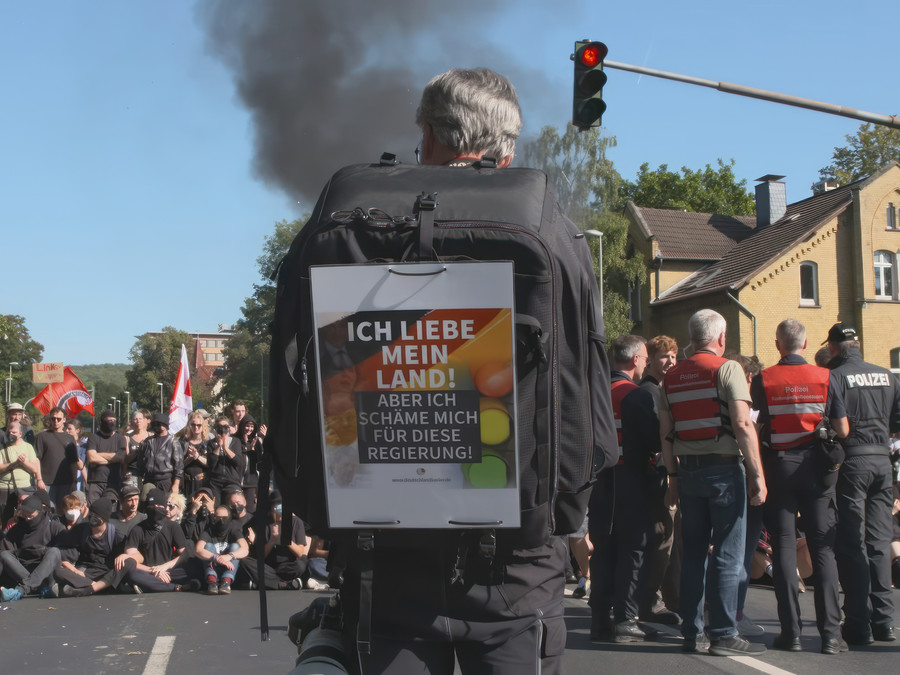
x=31 y=577
x=660 y=539
x=617 y=557
x=864 y=499
x=754 y=529
x=423 y=622
x=112 y=577
x=275 y=573
x=796 y=484
x=151 y=584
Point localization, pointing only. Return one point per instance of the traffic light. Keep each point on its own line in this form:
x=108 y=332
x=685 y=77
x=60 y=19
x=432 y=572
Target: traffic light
x=588 y=105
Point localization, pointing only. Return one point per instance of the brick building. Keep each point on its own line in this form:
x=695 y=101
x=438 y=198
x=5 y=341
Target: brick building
x=830 y=257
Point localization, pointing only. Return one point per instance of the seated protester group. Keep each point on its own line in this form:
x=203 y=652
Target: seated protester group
x=27 y=559
x=158 y=547
x=90 y=549
x=221 y=545
x=284 y=565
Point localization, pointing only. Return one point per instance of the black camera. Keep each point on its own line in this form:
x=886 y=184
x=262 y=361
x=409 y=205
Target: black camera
x=317 y=633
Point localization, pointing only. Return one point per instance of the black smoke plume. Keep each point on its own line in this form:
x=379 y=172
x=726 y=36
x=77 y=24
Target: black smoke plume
x=336 y=82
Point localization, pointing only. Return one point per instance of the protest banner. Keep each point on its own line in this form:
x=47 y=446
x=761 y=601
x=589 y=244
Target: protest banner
x=417 y=394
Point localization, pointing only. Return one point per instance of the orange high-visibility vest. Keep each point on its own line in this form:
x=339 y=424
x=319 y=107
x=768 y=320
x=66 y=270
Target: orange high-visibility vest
x=620 y=389
x=691 y=389
x=796 y=397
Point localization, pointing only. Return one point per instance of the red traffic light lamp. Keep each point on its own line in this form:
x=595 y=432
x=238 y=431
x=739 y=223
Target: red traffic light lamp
x=587 y=103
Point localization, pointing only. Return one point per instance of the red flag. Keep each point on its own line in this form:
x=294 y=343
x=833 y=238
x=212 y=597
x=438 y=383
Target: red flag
x=70 y=395
x=182 y=403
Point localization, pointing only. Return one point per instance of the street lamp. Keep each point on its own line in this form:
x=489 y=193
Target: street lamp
x=599 y=235
x=159 y=384
x=127 y=406
x=112 y=405
x=9 y=382
x=118 y=411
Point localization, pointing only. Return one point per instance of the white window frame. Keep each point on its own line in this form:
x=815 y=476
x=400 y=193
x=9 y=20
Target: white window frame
x=814 y=301
x=883 y=268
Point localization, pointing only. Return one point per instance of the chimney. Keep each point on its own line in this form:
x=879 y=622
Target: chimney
x=771 y=200
x=824 y=186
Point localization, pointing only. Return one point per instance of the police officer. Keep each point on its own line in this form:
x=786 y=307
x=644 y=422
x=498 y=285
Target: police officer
x=704 y=421
x=793 y=397
x=864 y=491
x=618 y=554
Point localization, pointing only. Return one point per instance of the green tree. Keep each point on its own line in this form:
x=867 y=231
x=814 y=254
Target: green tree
x=247 y=351
x=585 y=177
x=155 y=358
x=704 y=191
x=870 y=148
x=17 y=346
x=589 y=187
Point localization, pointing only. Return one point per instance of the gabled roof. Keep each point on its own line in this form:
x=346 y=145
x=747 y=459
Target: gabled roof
x=764 y=245
x=683 y=235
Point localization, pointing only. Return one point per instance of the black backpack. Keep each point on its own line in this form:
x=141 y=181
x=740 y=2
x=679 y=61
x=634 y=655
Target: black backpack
x=390 y=212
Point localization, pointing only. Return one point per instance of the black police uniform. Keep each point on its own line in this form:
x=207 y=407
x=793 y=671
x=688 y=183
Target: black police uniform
x=864 y=495
x=619 y=548
x=798 y=482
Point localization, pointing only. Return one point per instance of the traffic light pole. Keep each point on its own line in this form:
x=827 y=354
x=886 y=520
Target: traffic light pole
x=741 y=90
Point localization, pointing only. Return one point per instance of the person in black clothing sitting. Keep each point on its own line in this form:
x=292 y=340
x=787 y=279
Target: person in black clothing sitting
x=221 y=545
x=157 y=545
x=94 y=544
x=284 y=564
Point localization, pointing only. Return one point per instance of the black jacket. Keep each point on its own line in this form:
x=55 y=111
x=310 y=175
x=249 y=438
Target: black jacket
x=872 y=399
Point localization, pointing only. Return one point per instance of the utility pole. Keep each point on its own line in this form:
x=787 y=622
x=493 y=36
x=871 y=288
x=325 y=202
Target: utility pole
x=752 y=92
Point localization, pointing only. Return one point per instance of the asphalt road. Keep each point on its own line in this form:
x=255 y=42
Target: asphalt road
x=193 y=633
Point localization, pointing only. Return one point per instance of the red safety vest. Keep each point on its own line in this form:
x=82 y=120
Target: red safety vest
x=796 y=397
x=691 y=389
x=620 y=389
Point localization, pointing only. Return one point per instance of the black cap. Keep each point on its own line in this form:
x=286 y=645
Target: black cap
x=156 y=497
x=840 y=333
x=161 y=418
x=206 y=490
x=32 y=504
x=231 y=489
x=128 y=491
x=102 y=508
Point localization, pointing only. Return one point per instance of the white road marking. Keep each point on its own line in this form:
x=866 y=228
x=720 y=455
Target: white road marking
x=159 y=656
x=762 y=666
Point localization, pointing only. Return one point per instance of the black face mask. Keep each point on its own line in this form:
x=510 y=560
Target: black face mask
x=107 y=425
x=156 y=516
x=203 y=512
x=31 y=523
x=95 y=521
x=218 y=526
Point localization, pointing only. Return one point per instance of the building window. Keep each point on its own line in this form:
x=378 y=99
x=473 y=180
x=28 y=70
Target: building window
x=809 y=284
x=892 y=223
x=895 y=358
x=884 y=274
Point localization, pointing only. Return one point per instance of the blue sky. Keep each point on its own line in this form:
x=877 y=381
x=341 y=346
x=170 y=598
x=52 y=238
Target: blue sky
x=128 y=195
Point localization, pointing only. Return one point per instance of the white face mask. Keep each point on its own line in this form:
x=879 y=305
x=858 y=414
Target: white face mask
x=72 y=514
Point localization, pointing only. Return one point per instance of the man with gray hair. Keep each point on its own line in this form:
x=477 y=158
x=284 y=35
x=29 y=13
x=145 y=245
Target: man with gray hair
x=794 y=398
x=621 y=498
x=864 y=489
x=466 y=115
x=705 y=427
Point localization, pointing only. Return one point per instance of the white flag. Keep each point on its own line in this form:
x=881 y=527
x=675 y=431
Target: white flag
x=182 y=403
